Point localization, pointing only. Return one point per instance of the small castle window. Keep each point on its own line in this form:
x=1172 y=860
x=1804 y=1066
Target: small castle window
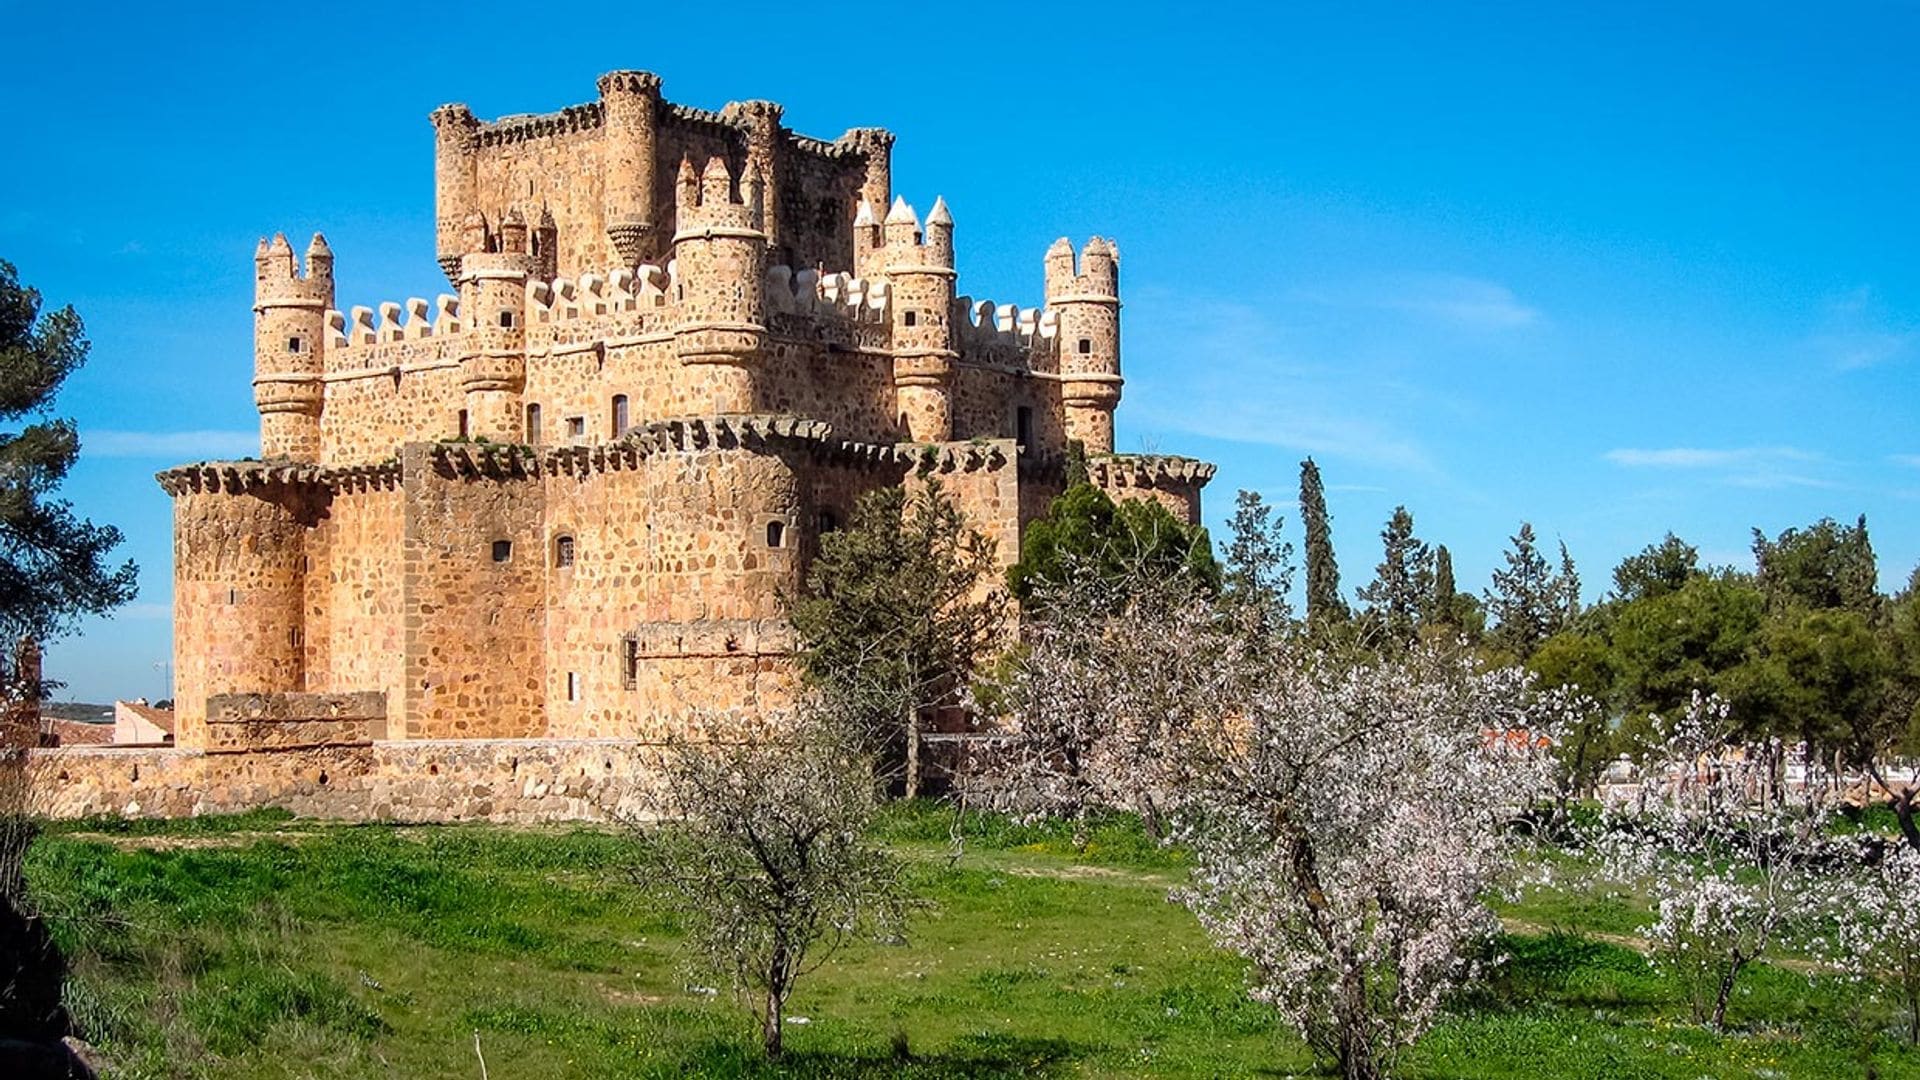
x=293 y=637
x=619 y=414
x=293 y=344
x=776 y=533
x=913 y=318
x=1023 y=426
x=630 y=661
x=573 y=686
x=502 y=550
x=828 y=522
x=233 y=596
x=506 y=320
x=1086 y=346
x=463 y=423
x=563 y=551
x=533 y=425
x=576 y=427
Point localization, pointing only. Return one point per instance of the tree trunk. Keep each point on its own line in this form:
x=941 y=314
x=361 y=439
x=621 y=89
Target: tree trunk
x=770 y=1027
x=913 y=752
x=1719 y=1019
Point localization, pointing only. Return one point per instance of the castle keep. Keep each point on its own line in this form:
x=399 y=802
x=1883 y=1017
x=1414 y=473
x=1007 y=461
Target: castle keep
x=561 y=500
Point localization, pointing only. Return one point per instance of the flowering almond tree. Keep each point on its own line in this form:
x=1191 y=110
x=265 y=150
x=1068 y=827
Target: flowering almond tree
x=1876 y=927
x=764 y=854
x=1724 y=859
x=1346 y=834
x=1115 y=682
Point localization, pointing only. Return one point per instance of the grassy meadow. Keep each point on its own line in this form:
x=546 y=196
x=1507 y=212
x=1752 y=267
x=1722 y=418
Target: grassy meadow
x=265 y=946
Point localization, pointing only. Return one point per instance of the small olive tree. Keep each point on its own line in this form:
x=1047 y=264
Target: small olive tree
x=759 y=844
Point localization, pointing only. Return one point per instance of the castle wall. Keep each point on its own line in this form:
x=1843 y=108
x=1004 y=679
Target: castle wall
x=354 y=600
x=519 y=781
x=472 y=624
x=239 y=563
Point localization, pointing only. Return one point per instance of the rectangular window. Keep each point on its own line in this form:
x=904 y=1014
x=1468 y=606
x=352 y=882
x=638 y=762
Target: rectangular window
x=576 y=427
x=573 y=686
x=463 y=423
x=1023 y=426
x=619 y=415
x=533 y=425
x=502 y=550
x=630 y=662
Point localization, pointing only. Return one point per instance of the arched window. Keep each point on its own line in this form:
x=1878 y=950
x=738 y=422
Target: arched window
x=619 y=415
x=533 y=425
x=776 y=533
x=563 y=550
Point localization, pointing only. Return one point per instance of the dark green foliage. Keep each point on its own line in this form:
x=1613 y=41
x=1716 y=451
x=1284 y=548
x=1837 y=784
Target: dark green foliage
x=1529 y=602
x=889 y=623
x=1826 y=565
x=1324 y=603
x=1402 y=584
x=1259 y=568
x=1086 y=531
x=1695 y=638
x=1449 y=611
x=52 y=564
x=1657 y=570
x=1817 y=677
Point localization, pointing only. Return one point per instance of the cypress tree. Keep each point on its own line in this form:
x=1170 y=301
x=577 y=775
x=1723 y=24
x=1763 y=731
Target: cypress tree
x=1323 y=574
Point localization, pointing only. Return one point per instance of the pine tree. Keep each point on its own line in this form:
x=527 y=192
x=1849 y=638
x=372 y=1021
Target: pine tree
x=1402 y=583
x=1527 y=600
x=53 y=566
x=1259 y=567
x=1324 y=605
x=1568 y=586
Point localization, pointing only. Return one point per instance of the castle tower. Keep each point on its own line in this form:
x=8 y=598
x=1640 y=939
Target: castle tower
x=719 y=250
x=493 y=301
x=1088 y=305
x=289 y=320
x=919 y=272
x=762 y=122
x=630 y=110
x=456 y=183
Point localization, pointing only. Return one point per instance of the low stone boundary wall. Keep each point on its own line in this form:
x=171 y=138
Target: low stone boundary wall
x=500 y=780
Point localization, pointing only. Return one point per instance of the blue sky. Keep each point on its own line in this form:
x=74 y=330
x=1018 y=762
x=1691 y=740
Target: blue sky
x=1614 y=271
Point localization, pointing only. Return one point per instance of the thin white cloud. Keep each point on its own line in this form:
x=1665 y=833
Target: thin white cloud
x=172 y=445
x=1763 y=467
x=1688 y=457
x=1463 y=302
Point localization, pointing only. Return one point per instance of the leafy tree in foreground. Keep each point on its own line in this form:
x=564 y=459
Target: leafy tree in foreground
x=893 y=620
x=763 y=853
x=53 y=570
x=1324 y=605
x=1345 y=844
x=53 y=566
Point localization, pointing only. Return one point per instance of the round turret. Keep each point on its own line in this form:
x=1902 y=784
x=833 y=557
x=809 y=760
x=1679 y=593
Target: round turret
x=456 y=183
x=493 y=366
x=719 y=253
x=918 y=266
x=630 y=108
x=289 y=323
x=1088 y=338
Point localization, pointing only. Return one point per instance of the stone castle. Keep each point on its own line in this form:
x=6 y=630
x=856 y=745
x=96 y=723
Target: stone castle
x=561 y=501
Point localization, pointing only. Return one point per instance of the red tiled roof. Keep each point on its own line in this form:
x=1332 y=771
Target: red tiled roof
x=160 y=718
x=82 y=733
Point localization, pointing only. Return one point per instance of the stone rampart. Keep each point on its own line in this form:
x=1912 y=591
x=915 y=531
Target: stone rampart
x=424 y=780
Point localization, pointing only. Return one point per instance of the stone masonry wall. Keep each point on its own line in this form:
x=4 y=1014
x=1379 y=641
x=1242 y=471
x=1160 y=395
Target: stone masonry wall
x=500 y=780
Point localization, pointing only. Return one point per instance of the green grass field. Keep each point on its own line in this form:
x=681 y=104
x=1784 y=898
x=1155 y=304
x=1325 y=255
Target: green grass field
x=263 y=946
